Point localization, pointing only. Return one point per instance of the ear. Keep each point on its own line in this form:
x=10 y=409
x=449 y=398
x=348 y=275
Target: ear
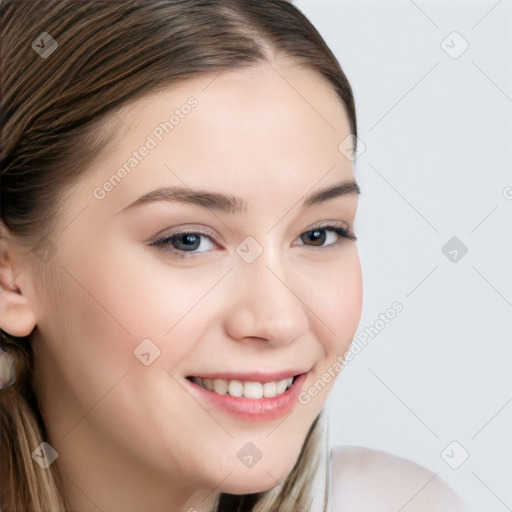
x=17 y=317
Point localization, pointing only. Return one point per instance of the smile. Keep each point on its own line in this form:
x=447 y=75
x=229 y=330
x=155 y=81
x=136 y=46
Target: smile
x=256 y=398
x=246 y=389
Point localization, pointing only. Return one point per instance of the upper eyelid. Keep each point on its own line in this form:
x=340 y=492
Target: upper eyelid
x=322 y=224
x=201 y=231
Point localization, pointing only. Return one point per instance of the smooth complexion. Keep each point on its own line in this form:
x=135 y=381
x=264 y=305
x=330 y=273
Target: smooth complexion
x=139 y=438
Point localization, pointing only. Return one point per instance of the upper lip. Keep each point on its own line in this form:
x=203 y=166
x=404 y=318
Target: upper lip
x=255 y=376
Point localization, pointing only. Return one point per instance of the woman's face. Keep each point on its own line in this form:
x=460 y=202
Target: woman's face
x=257 y=292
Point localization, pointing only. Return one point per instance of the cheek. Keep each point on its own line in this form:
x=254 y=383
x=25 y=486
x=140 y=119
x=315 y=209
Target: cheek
x=337 y=303
x=117 y=317
x=337 y=311
x=106 y=311
x=349 y=298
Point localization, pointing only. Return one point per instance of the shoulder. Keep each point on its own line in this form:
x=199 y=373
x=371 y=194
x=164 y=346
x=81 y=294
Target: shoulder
x=367 y=480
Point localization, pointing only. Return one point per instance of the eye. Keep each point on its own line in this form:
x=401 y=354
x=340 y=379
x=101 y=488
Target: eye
x=185 y=243
x=318 y=235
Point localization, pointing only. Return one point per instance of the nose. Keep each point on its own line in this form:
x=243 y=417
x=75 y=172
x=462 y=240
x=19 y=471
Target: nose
x=265 y=304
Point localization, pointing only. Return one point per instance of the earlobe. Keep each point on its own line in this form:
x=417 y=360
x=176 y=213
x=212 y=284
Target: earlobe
x=16 y=314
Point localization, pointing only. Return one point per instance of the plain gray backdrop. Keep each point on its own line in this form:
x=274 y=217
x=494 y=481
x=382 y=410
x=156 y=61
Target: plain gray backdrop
x=433 y=88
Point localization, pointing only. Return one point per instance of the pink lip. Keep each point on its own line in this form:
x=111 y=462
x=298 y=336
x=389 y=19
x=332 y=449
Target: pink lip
x=253 y=409
x=252 y=376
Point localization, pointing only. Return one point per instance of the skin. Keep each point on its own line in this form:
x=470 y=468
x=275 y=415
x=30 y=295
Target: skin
x=131 y=437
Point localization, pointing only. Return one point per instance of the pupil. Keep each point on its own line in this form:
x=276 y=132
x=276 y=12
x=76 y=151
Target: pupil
x=317 y=236
x=188 y=240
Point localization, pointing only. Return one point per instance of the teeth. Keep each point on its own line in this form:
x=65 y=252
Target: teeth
x=235 y=388
x=220 y=386
x=246 y=389
x=253 y=390
x=281 y=386
x=269 y=389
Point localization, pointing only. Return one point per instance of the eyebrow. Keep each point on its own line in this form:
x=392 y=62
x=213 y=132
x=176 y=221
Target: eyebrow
x=231 y=204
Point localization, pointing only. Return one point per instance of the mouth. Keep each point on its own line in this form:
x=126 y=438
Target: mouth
x=247 y=389
x=251 y=397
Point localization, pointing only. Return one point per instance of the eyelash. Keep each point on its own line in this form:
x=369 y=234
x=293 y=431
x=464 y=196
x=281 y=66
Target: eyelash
x=167 y=239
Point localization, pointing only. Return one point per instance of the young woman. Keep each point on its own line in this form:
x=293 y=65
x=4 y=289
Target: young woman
x=179 y=269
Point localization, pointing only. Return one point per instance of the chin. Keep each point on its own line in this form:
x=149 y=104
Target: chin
x=253 y=480
x=250 y=485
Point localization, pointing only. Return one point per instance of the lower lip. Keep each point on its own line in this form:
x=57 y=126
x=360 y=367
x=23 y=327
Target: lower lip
x=254 y=409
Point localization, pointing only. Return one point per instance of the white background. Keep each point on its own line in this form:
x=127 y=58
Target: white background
x=438 y=136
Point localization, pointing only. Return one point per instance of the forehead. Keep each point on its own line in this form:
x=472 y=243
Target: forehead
x=284 y=79
x=278 y=125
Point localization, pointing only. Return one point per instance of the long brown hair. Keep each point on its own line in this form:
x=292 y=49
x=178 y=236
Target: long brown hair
x=56 y=104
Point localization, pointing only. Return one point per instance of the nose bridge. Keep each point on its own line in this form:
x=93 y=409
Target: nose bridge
x=264 y=304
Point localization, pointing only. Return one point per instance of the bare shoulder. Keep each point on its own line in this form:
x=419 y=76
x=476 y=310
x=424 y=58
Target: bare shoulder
x=366 y=480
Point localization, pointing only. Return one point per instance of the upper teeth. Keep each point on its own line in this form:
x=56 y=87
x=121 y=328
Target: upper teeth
x=245 y=389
